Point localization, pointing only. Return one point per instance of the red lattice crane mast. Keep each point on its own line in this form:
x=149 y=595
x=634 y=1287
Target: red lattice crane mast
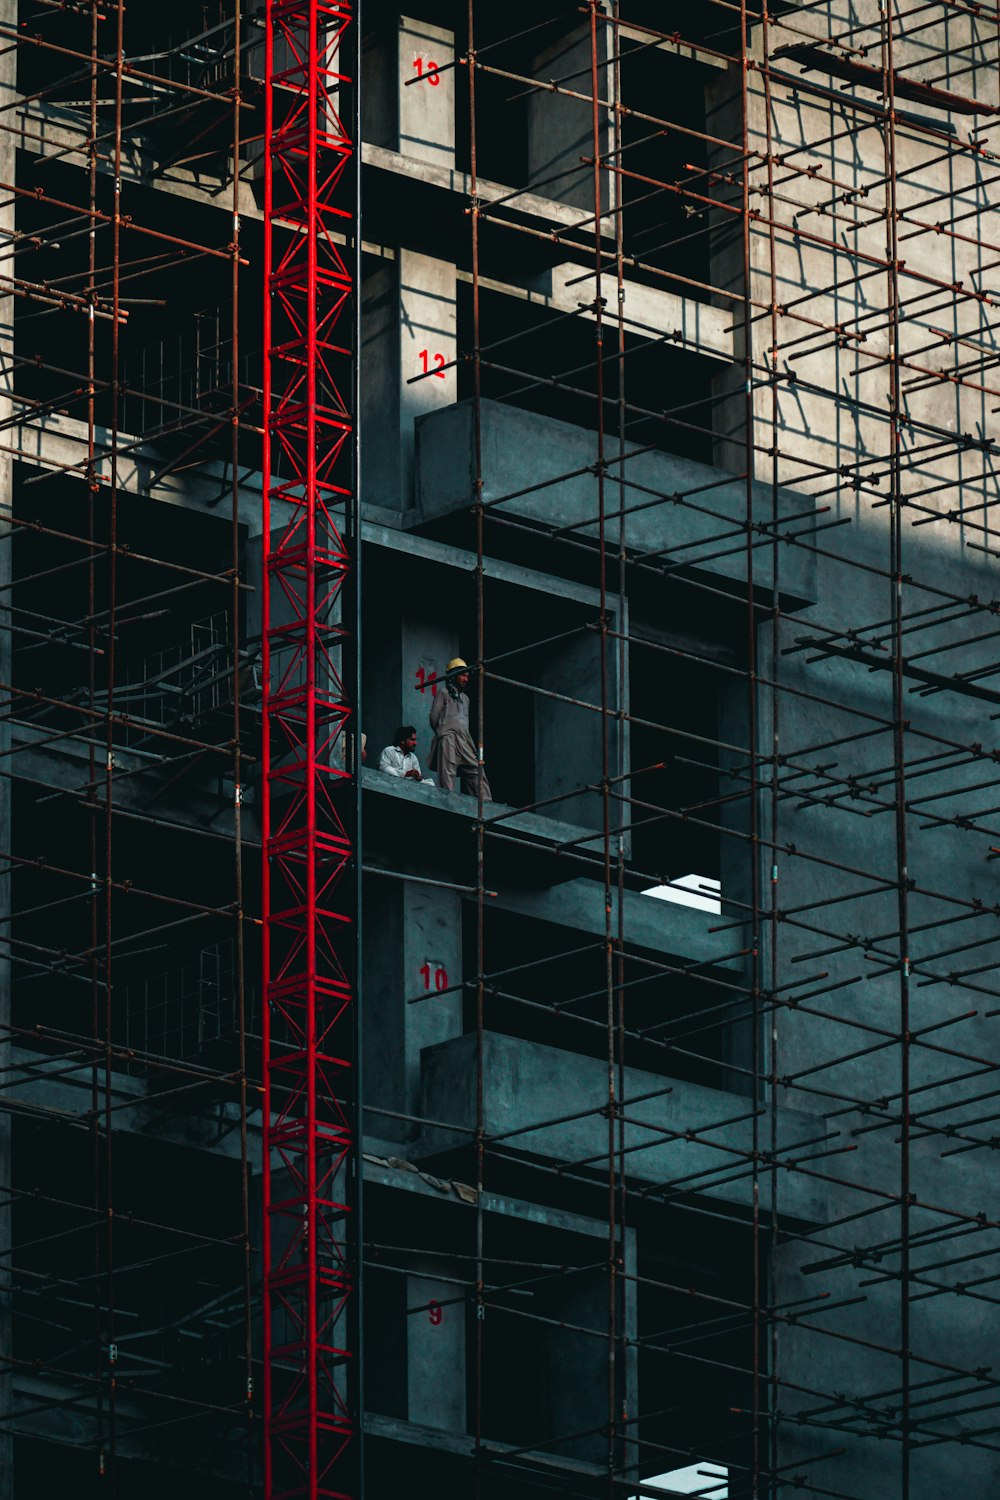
x=310 y=780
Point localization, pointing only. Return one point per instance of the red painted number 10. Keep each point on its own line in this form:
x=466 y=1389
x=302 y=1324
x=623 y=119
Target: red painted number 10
x=425 y=358
x=439 y=975
x=427 y=70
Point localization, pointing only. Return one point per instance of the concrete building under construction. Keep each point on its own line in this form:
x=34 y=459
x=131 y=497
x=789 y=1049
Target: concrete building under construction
x=616 y=1123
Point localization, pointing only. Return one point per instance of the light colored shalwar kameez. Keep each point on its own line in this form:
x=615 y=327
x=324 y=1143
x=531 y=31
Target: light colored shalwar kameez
x=453 y=749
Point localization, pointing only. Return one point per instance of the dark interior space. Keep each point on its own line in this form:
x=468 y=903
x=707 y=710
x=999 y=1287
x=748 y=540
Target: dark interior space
x=544 y=1358
x=675 y=810
x=177 y=1337
x=542 y=360
x=695 y=1342
x=549 y=985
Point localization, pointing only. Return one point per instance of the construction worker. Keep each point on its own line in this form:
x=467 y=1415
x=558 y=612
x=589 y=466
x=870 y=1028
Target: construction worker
x=400 y=758
x=453 y=748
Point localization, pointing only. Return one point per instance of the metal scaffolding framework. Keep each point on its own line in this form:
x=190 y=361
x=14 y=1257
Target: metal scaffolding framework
x=760 y=244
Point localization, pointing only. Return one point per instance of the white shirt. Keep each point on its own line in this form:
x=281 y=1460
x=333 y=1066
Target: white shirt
x=394 y=762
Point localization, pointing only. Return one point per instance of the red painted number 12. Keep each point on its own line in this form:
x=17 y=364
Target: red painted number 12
x=425 y=358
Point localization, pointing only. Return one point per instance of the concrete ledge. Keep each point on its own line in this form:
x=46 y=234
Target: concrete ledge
x=645 y=311
x=515 y=202
x=661 y=926
x=55 y=1086
x=690 y=1138
x=545 y=466
x=546 y=1466
x=446 y=819
x=198 y=802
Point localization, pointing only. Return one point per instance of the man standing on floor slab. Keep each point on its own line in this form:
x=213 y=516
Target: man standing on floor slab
x=453 y=749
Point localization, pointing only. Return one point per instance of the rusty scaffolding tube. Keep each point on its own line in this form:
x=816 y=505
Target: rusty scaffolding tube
x=859 y=969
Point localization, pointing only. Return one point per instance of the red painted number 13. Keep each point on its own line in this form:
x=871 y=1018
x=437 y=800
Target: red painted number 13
x=431 y=76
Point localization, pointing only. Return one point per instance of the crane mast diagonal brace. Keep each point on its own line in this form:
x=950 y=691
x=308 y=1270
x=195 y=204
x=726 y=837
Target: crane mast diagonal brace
x=310 y=776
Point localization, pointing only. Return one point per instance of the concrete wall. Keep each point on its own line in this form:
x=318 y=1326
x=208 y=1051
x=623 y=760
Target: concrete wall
x=688 y=513
x=841 y=933
x=550 y=1102
x=829 y=243
x=835 y=868
x=561 y=121
x=824 y=432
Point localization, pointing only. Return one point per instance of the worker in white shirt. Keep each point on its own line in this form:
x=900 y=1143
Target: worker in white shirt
x=453 y=749
x=400 y=758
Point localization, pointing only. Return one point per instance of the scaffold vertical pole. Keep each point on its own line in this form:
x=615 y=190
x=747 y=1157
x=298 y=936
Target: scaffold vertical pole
x=309 y=802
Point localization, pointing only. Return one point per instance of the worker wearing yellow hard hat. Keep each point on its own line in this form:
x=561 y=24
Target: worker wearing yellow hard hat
x=454 y=753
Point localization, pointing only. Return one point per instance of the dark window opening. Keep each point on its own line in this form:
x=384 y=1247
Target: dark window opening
x=548 y=985
x=695 y=1299
x=675 y=785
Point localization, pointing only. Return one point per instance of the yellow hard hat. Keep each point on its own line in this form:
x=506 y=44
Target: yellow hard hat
x=455 y=663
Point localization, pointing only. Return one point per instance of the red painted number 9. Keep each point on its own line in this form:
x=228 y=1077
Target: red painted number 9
x=435 y=1312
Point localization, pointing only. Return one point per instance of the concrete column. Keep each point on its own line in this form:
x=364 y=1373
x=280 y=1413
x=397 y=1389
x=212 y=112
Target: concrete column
x=427 y=348
x=409 y=339
x=418 y=958
x=428 y=646
x=735 y=863
x=407 y=103
x=409 y=302
x=380 y=386
x=561 y=128
x=724 y=123
x=577 y=1365
x=568 y=739
x=432 y=968
x=435 y=1353
x=426 y=98
x=405 y=653
x=630 y=1298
